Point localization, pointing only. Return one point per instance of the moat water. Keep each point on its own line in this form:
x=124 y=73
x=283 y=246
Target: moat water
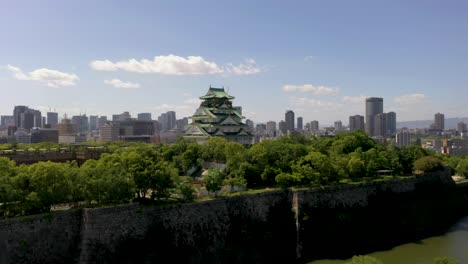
x=453 y=244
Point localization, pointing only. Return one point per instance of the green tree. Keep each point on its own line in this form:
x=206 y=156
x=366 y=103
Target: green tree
x=8 y=192
x=163 y=176
x=428 y=164
x=316 y=168
x=185 y=189
x=286 y=180
x=213 y=181
x=345 y=143
x=356 y=167
x=408 y=155
x=214 y=149
x=191 y=157
x=462 y=168
x=235 y=182
x=235 y=155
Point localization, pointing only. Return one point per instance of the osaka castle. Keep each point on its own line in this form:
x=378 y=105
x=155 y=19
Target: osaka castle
x=216 y=117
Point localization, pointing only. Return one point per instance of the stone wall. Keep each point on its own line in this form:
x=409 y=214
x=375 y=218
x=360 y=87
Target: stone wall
x=45 y=238
x=271 y=227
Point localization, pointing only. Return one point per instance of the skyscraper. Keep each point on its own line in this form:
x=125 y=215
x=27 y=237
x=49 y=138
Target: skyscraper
x=289 y=117
x=17 y=111
x=380 y=125
x=271 y=126
x=101 y=121
x=338 y=126
x=299 y=124
x=356 y=122
x=391 y=123
x=52 y=119
x=374 y=106
x=439 y=121
x=461 y=127
x=81 y=122
x=314 y=125
x=144 y=116
x=403 y=138
x=171 y=119
x=167 y=120
x=282 y=127
x=7 y=121
x=27 y=119
x=93 y=122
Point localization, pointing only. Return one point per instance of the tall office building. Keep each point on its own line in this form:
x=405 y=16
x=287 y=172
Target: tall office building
x=260 y=128
x=93 y=123
x=144 y=116
x=403 y=138
x=37 y=118
x=7 y=120
x=81 y=122
x=121 y=117
x=374 y=106
x=289 y=118
x=300 y=126
x=181 y=124
x=167 y=120
x=356 y=122
x=109 y=132
x=271 y=126
x=282 y=127
x=250 y=124
x=66 y=128
x=314 y=125
x=439 y=121
x=391 y=123
x=380 y=125
x=171 y=119
x=461 y=127
x=102 y=120
x=52 y=119
x=27 y=119
x=338 y=126
x=17 y=111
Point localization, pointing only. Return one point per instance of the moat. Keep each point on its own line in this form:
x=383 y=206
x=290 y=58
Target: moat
x=452 y=244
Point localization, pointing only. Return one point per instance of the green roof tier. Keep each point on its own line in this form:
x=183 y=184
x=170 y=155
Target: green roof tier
x=216 y=93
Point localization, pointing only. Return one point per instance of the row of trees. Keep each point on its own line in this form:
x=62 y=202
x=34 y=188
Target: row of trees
x=127 y=174
x=152 y=172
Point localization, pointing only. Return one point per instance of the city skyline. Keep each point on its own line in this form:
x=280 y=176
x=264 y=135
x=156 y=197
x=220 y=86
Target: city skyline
x=320 y=60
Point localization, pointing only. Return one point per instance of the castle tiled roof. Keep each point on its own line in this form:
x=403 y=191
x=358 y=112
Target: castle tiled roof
x=216 y=93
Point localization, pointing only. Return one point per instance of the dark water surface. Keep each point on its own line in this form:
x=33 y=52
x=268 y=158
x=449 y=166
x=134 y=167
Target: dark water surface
x=453 y=244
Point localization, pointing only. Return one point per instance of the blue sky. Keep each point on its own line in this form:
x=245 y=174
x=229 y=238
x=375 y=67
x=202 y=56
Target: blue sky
x=318 y=58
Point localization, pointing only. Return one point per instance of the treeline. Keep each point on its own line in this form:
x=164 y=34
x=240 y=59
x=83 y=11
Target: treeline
x=145 y=172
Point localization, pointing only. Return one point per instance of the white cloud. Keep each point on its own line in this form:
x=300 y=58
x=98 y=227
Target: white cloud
x=354 y=99
x=308 y=58
x=410 y=99
x=121 y=84
x=415 y=106
x=312 y=102
x=51 y=78
x=177 y=65
x=170 y=65
x=249 y=67
x=310 y=88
